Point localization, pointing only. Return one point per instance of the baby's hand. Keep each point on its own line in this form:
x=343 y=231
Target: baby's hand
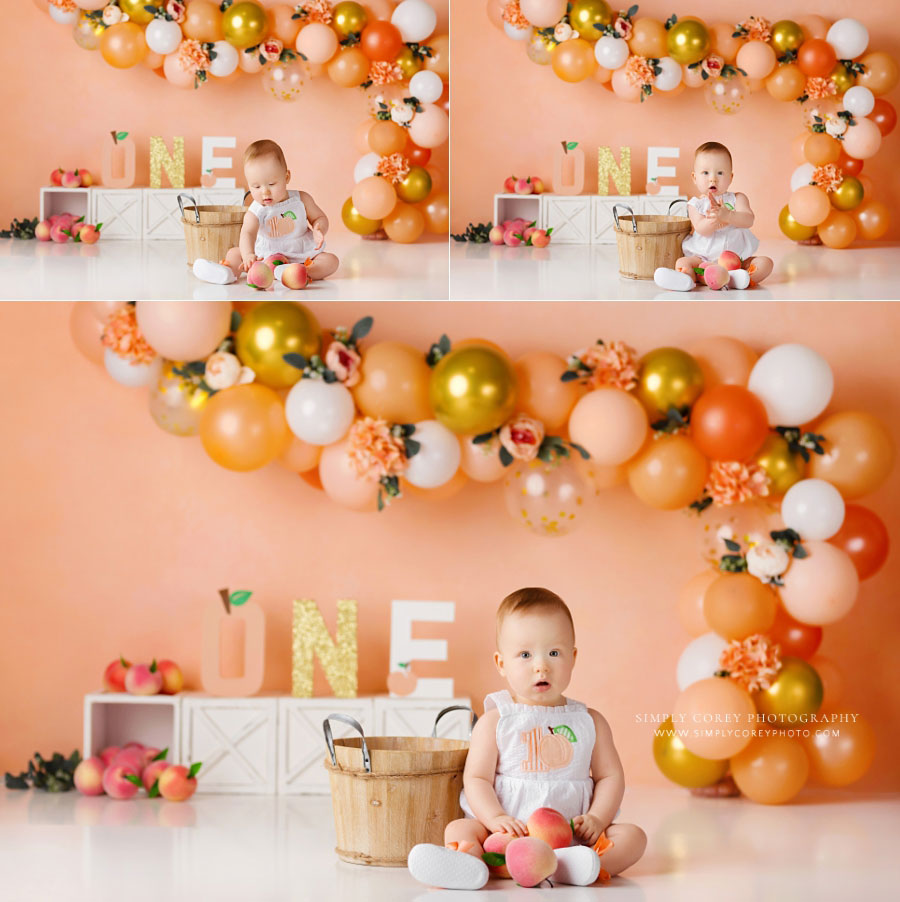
x=588 y=828
x=506 y=824
x=319 y=236
x=247 y=260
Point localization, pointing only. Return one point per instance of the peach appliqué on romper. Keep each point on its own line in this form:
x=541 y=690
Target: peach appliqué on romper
x=547 y=752
x=281 y=226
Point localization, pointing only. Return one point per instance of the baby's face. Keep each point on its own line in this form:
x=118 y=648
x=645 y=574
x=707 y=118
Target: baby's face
x=712 y=172
x=536 y=655
x=267 y=180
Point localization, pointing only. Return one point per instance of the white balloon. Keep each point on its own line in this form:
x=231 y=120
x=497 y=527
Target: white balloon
x=132 y=375
x=611 y=52
x=802 y=175
x=517 y=34
x=437 y=460
x=794 y=383
x=163 y=36
x=365 y=166
x=319 y=412
x=226 y=61
x=700 y=659
x=427 y=86
x=859 y=100
x=814 y=508
x=414 y=19
x=670 y=77
x=61 y=16
x=849 y=37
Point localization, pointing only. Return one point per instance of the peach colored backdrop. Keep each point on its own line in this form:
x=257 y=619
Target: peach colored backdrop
x=511 y=113
x=60 y=103
x=115 y=533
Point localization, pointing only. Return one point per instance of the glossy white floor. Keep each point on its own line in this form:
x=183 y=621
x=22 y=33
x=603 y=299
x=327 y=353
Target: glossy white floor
x=141 y=270
x=828 y=845
x=591 y=272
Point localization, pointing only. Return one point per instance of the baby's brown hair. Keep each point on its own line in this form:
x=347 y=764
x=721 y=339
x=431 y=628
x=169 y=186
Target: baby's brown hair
x=531 y=599
x=264 y=148
x=713 y=146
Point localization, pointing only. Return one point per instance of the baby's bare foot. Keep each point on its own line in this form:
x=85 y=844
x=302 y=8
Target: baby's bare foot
x=726 y=788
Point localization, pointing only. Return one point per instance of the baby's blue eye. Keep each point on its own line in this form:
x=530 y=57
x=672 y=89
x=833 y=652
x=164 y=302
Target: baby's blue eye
x=524 y=654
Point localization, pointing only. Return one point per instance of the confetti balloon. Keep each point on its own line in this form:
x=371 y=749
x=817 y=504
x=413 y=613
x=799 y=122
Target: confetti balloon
x=550 y=499
x=176 y=403
x=284 y=81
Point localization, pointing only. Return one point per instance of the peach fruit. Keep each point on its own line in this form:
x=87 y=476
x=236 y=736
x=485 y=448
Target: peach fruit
x=294 y=275
x=529 y=232
x=495 y=236
x=110 y=752
x=89 y=234
x=131 y=758
x=260 y=276
x=540 y=238
x=537 y=185
x=549 y=825
x=276 y=260
x=143 y=680
x=89 y=776
x=730 y=260
x=715 y=276
x=530 y=860
x=511 y=238
x=86 y=178
x=42 y=230
x=172 y=677
x=496 y=844
x=524 y=186
x=117 y=782
x=509 y=186
x=152 y=772
x=151 y=753
x=59 y=233
x=56 y=176
x=71 y=179
x=178 y=783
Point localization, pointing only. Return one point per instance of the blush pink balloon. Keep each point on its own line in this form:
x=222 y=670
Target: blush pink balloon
x=543 y=13
x=89 y=5
x=341 y=482
x=601 y=478
x=756 y=58
x=623 y=88
x=610 y=424
x=821 y=588
x=299 y=456
x=86 y=330
x=317 y=42
x=690 y=602
x=184 y=330
x=495 y=12
x=379 y=9
x=176 y=74
x=431 y=127
x=692 y=78
x=103 y=310
x=723 y=360
x=481 y=462
x=862 y=140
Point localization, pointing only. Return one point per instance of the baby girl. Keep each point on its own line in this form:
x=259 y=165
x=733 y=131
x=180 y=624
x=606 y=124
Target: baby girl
x=507 y=775
x=278 y=221
x=721 y=221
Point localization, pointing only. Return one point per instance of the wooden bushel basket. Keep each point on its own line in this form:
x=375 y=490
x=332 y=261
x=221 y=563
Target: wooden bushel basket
x=210 y=231
x=646 y=242
x=391 y=792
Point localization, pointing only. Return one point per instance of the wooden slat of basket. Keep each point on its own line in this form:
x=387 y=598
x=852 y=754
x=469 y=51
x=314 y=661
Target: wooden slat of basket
x=218 y=231
x=656 y=243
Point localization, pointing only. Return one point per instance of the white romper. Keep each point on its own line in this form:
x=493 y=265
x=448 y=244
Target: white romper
x=283 y=229
x=544 y=757
x=742 y=241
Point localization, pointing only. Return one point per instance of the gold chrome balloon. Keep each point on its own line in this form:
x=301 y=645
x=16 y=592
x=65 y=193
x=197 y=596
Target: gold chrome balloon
x=793 y=229
x=786 y=36
x=795 y=693
x=668 y=377
x=680 y=764
x=356 y=222
x=849 y=194
x=244 y=25
x=688 y=42
x=585 y=14
x=408 y=62
x=271 y=330
x=176 y=402
x=473 y=389
x=416 y=186
x=348 y=17
x=135 y=11
x=782 y=467
x=843 y=78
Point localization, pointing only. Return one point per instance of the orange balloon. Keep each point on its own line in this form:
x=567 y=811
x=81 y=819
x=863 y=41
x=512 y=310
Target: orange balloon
x=797 y=145
x=816 y=58
x=648 y=38
x=86 y=331
x=668 y=473
x=771 y=770
x=361 y=136
x=872 y=216
x=481 y=462
x=348 y=67
x=839 y=230
x=601 y=478
x=380 y=41
x=809 y=205
x=821 y=149
x=842 y=759
x=437 y=178
x=859 y=453
x=611 y=424
x=737 y=605
x=623 y=88
x=298 y=456
x=404 y=224
x=690 y=602
x=282 y=25
x=342 y=483
x=154 y=60
x=203 y=22
x=542 y=394
x=244 y=428
x=602 y=75
x=439 y=61
x=724 y=361
x=786 y=83
x=436 y=210
x=881 y=72
x=574 y=60
x=311 y=478
x=813 y=27
x=394 y=380
x=123 y=45
x=722 y=43
x=729 y=422
x=832 y=680
x=386 y=137
x=374 y=197
x=721 y=707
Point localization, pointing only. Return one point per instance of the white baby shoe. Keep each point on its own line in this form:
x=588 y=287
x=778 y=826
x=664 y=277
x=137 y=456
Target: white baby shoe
x=672 y=279
x=739 y=278
x=577 y=866
x=217 y=273
x=446 y=868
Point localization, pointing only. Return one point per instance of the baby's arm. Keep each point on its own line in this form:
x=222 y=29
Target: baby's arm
x=478 y=778
x=609 y=784
x=318 y=221
x=703 y=224
x=247 y=244
x=741 y=217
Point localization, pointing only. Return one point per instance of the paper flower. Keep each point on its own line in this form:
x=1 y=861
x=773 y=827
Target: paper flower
x=384 y=73
x=732 y=482
x=192 y=56
x=819 y=88
x=639 y=72
x=176 y=10
x=828 y=177
x=344 y=362
x=223 y=370
x=315 y=11
x=402 y=113
x=394 y=167
x=514 y=16
x=612 y=364
x=270 y=49
x=623 y=27
x=522 y=437
x=756 y=28
x=124 y=338
x=767 y=561
x=563 y=32
x=112 y=15
x=835 y=126
x=752 y=662
x=373 y=449
x=712 y=65
x=69 y=6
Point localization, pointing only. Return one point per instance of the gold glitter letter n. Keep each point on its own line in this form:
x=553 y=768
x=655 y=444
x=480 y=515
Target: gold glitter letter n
x=607 y=169
x=338 y=659
x=160 y=159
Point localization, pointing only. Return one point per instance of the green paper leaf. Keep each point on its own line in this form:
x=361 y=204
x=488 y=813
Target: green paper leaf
x=121 y=136
x=412 y=447
x=571 y=145
x=568 y=376
x=195 y=769
x=134 y=778
x=493 y=859
x=154 y=790
x=483 y=437
x=240 y=597
x=295 y=360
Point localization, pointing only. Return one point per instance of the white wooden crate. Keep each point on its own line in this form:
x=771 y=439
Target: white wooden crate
x=659 y=204
x=602 y=223
x=216 y=196
x=415 y=717
x=56 y=200
x=517 y=206
x=161 y=216
x=115 y=718
x=120 y=210
x=569 y=215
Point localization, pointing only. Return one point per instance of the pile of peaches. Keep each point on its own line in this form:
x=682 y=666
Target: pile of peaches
x=518 y=232
x=261 y=274
x=530 y=185
x=159 y=677
x=71 y=178
x=122 y=772
x=63 y=226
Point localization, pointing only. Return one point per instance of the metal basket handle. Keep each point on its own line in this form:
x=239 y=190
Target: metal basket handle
x=193 y=202
x=329 y=740
x=616 y=216
x=678 y=200
x=447 y=711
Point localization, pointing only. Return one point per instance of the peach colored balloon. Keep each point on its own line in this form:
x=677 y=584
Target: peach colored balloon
x=349 y=67
x=787 y=83
x=394 y=383
x=832 y=680
x=690 y=602
x=692 y=78
x=542 y=394
x=318 y=43
x=405 y=223
x=821 y=588
x=249 y=63
x=103 y=310
x=203 y=22
x=723 y=360
x=574 y=60
x=439 y=61
x=123 y=45
x=756 y=58
x=495 y=12
x=86 y=331
x=859 y=453
x=454 y=486
x=341 y=482
x=379 y=9
x=809 y=205
x=282 y=25
x=648 y=38
x=361 y=136
x=244 y=427
x=722 y=43
x=872 y=216
x=717 y=704
x=862 y=140
x=669 y=473
x=184 y=330
x=838 y=230
x=799 y=143
x=814 y=27
x=481 y=462
x=154 y=60
x=771 y=770
x=623 y=88
x=610 y=424
x=737 y=605
x=298 y=456
x=176 y=74
x=881 y=72
x=843 y=759
x=602 y=75
x=436 y=210
x=374 y=197
x=431 y=127
x=601 y=478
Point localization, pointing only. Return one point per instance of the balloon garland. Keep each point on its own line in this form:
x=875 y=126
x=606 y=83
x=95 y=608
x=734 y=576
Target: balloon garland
x=391 y=51
x=827 y=69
